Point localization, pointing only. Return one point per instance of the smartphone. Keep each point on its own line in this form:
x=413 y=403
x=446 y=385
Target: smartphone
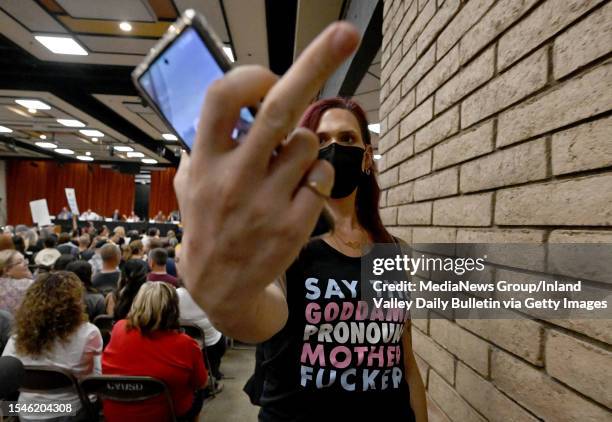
x=176 y=73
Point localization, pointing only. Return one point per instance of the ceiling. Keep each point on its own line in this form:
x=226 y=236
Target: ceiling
x=96 y=88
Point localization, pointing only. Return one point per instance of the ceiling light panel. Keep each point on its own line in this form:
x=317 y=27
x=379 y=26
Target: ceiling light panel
x=92 y=133
x=33 y=104
x=70 y=123
x=61 y=45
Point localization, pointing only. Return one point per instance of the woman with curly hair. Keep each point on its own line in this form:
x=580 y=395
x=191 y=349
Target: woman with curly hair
x=51 y=328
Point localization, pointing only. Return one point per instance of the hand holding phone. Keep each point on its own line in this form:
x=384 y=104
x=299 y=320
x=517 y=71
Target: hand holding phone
x=246 y=214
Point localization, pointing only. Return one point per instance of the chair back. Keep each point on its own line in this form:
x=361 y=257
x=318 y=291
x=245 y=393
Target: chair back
x=45 y=379
x=194 y=331
x=124 y=388
x=105 y=324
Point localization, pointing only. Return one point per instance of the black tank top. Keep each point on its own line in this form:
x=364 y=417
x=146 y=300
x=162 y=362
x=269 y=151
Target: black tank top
x=336 y=358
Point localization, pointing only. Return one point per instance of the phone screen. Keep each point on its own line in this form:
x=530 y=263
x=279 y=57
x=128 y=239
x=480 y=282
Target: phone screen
x=177 y=82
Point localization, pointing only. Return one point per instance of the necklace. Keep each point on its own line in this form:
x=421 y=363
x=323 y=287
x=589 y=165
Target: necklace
x=351 y=244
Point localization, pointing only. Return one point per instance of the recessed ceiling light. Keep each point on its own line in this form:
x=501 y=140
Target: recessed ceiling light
x=229 y=53
x=149 y=161
x=65 y=151
x=61 y=45
x=123 y=148
x=169 y=137
x=84 y=158
x=91 y=132
x=377 y=156
x=70 y=123
x=43 y=136
x=125 y=26
x=374 y=127
x=94 y=139
x=88 y=153
x=4 y=129
x=32 y=110
x=33 y=104
x=48 y=145
x=135 y=154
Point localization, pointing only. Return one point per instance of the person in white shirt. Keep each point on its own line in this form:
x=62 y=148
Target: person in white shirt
x=214 y=341
x=51 y=328
x=89 y=215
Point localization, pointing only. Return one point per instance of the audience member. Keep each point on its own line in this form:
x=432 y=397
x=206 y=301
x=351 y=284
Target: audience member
x=148 y=343
x=118 y=237
x=63 y=261
x=20 y=245
x=158 y=258
x=171 y=236
x=65 y=245
x=31 y=240
x=64 y=214
x=96 y=259
x=170 y=263
x=15 y=278
x=133 y=276
x=48 y=255
x=215 y=341
x=135 y=250
x=84 y=252
x=6 y=241
x=50 y=329
x=94 y=300
x=6 y=326
x=152 y=233
x=107 y=279
x=104 y=231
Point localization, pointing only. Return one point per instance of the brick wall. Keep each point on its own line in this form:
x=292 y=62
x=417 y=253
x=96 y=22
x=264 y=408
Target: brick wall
x=496 y=126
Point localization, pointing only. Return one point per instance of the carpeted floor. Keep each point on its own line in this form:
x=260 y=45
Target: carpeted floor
x=232 y=404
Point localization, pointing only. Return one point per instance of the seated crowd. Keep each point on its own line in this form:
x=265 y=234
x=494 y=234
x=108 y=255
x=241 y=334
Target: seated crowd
x=52 y=289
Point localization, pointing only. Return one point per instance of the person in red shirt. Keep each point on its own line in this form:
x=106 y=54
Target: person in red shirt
x=148 y=343
x=158 y=258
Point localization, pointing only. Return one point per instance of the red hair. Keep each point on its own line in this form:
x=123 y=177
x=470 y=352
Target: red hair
x=368 y=191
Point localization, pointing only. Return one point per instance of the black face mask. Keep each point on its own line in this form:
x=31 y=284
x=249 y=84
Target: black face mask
x=347 y=164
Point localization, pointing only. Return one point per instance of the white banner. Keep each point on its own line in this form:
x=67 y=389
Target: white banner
x=40 y=212
x=72 y=202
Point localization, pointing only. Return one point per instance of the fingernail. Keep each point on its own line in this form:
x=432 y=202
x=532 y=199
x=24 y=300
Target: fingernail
x=322 y=176
x=345 y=38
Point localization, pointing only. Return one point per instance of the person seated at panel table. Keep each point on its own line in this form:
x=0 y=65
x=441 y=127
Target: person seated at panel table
x=89 y=215
x=108 y=278
x=174 y=216
x=116 y=215
x=51 y=328
x=132 y=218
x=160 y=217
x=158 y=258
x=64 y=214
x=148 y=343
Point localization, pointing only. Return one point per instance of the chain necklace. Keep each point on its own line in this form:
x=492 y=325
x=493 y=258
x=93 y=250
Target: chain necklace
x=357 y=245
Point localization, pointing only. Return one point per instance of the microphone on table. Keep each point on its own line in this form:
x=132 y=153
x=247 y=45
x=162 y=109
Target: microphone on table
x=12 y=374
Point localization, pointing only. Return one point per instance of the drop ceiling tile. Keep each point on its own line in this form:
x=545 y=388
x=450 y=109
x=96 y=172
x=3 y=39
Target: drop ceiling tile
x=32 y=16
x=128 y=10
x=100 y=44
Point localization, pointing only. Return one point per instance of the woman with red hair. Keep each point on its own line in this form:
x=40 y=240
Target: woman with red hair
x=333 y=350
